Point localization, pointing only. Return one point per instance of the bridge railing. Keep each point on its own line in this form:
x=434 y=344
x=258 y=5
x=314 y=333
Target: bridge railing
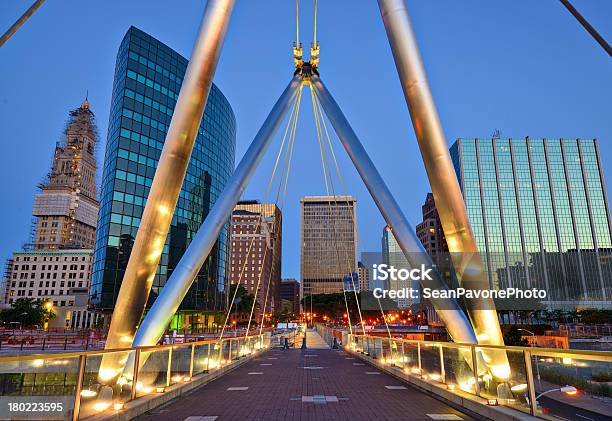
x=534 y=381
x=70 y=385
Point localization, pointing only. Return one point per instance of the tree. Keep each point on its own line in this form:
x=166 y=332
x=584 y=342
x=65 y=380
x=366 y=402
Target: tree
x=28 y=312
x=285 y=313
x=513 y=337
x=243 y=303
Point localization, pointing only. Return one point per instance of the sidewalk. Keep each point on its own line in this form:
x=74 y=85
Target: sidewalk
x=314 y=340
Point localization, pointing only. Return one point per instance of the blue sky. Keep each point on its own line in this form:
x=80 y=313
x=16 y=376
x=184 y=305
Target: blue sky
x=521 y=66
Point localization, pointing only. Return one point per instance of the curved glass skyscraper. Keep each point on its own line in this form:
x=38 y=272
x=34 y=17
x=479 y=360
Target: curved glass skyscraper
x=148 y=77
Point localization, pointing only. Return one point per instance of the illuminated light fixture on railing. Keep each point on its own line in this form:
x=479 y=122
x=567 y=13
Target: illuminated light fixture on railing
x=186 y=379
x=435 y=377
x=450 y=386
x=501 y=371
x=567 y=361
x=492 y=402
x=176 y=379
x=519 y=388
x=159 y=390
x=88 y=393
x=147 y=390
x=416 y=370
x=467 y=385
x=118 y=406
x=106 y=374
x=38 y=363
x=101 y=406
x=424 y=376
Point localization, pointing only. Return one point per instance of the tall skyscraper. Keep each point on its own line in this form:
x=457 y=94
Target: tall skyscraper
x=540 y=215
x=392 y=255
x=148 y=78
x=328 y=252
x=66 y=208
x=255 y=252
x=58 y=269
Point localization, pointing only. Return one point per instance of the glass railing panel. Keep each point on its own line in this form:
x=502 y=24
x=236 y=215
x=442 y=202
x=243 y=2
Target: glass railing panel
x=410 y=353
x=578 y=383
x=431 y=369
x=181 y=361
x=512 y=391
x=154 y=373
x=201 y=358
x=456 y=364
x=38 y=381
x=100 y=391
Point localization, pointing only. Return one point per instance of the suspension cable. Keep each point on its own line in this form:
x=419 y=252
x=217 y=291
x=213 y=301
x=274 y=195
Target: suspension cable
x=339 y=173
x=292 y=136
x=287 y=166
x=325 y=165
x=297 y=24
x=292 y=114
x=314 y=37
x=352 y=219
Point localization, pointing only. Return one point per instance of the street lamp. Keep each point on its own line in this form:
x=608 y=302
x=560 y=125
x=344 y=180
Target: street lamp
x=568 y=390
x=536 y=358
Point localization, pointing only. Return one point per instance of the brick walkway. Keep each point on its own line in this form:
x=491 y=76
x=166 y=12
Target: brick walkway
x=316 y=384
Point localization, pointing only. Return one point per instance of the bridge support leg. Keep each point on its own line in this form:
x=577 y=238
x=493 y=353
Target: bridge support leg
x=451 y=314
x=166 y=186
x=175 y=289
x=444 y=184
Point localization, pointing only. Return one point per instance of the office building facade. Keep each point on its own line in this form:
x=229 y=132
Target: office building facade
x=328 y=252
x=290 y=292
x=256 y=252
x=364 y=277
x=60 y=277
x=392 y=255
x=540 y=215
x=429 y=230
x=148 y=77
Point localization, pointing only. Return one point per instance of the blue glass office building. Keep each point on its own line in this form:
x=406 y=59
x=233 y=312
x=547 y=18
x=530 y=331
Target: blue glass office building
x=539 y=211
x=148 y=77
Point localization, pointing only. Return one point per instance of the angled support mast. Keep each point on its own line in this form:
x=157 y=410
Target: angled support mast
x=441 y=173
x=177 y=286
x=19 y=23
x=448 y=309
x=166 y=186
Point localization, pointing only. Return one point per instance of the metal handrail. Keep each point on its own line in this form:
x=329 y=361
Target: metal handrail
x=116 y=350
x=83 y=355
x=527 y=354
x=605 y=356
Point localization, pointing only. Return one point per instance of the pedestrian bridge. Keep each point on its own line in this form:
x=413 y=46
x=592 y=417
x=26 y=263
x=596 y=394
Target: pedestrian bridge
x=336 y=376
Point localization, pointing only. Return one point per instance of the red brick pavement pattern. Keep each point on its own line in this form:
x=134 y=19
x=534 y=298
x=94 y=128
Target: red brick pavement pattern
x=269 y=395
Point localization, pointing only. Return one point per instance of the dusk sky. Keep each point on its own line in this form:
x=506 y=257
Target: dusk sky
x=524 y=67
